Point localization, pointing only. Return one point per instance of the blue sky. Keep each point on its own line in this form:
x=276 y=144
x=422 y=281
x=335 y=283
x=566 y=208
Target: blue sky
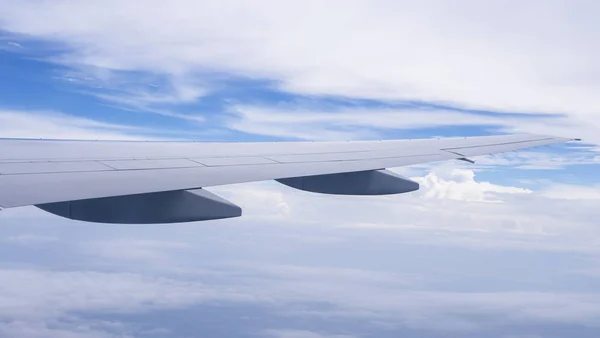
x=507 y=247
x=151 y=101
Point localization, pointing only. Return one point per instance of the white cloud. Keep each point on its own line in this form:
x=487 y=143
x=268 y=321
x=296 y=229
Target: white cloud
x=350 y=123
x=449 y=311
x=29 y=239
x=541 y=160
x=134 y=249
x=301 y=334
x=572 y=192
x=139 y=93
x=40 y=304
x=461 y=185
x=32 y=301
x=52 y=292
x=14 y=44
x=452 y=208
x=26 y=329
x=485 y=55
x=266 y=200
x=53 y=125
x=329 y=275
x=258 y=260
x=37 y=294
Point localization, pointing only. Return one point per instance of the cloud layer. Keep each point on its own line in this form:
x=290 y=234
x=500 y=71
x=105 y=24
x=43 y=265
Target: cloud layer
x=490 y=56
x=441 y=262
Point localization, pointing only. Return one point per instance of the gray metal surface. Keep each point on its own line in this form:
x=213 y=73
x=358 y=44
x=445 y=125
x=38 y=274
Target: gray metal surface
x=224 y=161
x=160 y=207
x=150 y=164
x=371 y=182
x=32 y=178
x=50 y=167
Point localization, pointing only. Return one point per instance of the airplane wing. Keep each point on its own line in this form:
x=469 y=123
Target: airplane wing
x=161 y=182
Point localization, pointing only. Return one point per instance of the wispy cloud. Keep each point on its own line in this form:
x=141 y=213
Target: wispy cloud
x=137 y=92
x=547 y=159
x=437 y=55
x=332 y=122
x=49 y=124
x=14 y=44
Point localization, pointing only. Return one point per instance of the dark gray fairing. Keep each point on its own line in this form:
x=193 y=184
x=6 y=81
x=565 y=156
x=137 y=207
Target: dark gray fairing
x=371 y=182
x=160 y=207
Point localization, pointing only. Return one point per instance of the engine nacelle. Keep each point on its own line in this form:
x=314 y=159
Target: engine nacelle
x=371 y=182
x=160 y=207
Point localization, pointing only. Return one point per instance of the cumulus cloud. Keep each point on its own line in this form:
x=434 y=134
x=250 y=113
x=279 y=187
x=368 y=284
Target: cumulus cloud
x=461 y=185
x=260 y=199
x=452 y=208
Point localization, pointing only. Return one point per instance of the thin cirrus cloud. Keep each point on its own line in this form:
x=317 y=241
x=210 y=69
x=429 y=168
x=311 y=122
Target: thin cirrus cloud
x=311 y=123
x=486 y=56
x=139 y=92
x=50 y=124
x=54 y=125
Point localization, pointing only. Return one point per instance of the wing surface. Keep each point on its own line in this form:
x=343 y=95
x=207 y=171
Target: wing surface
x=45 y=171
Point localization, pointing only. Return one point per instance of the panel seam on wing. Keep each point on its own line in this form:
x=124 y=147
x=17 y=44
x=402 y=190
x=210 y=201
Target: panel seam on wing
x=498 y=144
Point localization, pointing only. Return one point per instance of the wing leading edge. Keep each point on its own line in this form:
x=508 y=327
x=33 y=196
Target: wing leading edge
x=37 y=172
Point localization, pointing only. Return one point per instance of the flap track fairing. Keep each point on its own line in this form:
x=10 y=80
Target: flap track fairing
x=371 y=182
x=160 y=207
